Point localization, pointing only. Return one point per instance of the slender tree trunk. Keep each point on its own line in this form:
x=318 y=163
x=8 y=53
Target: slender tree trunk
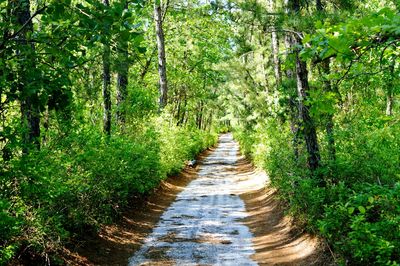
x=122 y=84
x=122 y=81
x=264 y=63
x=106 y=83
x=389 y=102
x=29 y=99
x=182 y=106
x=275 y=49
x=319 y=5
x=389 y=95
x=294 y=111
x=162 y=69
x=199 y=115
x=277 y=63
x=309 y=130
x=329 y=118
x=147 y=65
x=209 y=122
x=178 y=109
x=46 y=125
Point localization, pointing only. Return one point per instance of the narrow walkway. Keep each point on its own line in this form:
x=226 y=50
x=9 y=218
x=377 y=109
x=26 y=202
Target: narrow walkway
x=204 y=225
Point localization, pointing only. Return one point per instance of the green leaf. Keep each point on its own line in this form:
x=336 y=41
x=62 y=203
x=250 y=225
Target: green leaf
x=371 y=200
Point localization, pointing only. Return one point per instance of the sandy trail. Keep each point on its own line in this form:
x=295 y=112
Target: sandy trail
x=219 y=213
x=203 y=226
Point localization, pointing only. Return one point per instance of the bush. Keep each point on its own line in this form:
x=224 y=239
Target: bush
x=85 y=179
x=366 y=227
x=357 y=208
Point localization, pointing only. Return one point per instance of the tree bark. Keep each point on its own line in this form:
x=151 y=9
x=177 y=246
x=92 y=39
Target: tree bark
x=389 y=102
x=106 y=82
x=199 y=115
x=122 y=84
x=162 y=69
x=308 y=128
x=294 y=111
x=319 y=5
x=275 y=49
x=389 y=95
x=29 y=99
x=329 y=117
x=122 y=81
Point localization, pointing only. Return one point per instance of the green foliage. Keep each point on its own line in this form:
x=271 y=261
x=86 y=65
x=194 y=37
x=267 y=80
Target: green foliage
x=181 y=144
x=351 y=50
x=365 y=226
x=358 y=210
x=68 y=179
x=85 y=180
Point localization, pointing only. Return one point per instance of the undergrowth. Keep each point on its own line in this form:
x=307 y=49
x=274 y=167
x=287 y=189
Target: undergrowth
x=84 y=179
x=357 y=209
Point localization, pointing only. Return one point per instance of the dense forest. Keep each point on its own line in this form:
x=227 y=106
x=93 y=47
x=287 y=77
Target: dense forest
x=100 y=100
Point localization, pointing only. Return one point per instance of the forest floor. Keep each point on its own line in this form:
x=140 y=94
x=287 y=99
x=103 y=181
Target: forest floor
x=219 y=213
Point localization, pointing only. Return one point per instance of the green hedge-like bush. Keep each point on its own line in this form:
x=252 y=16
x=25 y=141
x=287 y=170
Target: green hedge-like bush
x=76 y=183
x=366 y=227
x=357 y=210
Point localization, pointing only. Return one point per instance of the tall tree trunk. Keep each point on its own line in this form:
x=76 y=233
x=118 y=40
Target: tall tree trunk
x=329 y=117
x=199 y=115
x=162 y=69
x=122 y=80
x=182 y=121
x=178 y=108
x=29 y=99
x=389 y=95
x=106 y=82
x=309 y=130
x=122 y=84
x=319 y=6
x=275 y=48
x=277 y=63
x=389 y=102
x=294 y=111
x=263 y=60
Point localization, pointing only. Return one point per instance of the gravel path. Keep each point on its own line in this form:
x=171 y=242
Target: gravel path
x=204 y=224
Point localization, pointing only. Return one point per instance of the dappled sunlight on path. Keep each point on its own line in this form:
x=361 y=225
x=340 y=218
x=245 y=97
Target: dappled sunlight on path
x=203 y=225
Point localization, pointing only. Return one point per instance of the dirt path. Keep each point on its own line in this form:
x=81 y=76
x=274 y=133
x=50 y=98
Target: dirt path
x=219 y=214
x=203 y=226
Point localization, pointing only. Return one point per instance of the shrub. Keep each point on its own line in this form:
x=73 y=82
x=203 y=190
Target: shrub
x=357 y=208
x=80 y=181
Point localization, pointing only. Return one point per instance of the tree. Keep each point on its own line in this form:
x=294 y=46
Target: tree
x=106 y=74
x=122 y=78
x=307 y=124
x=27 y=73
x=275 y=47
x=162 y=68
x=325 y=67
